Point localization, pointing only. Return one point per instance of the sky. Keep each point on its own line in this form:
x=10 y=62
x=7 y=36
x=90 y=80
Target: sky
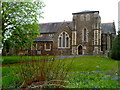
x=119 y=15
x=61 y=10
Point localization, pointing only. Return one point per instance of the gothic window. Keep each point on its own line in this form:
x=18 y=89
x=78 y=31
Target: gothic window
x=96 y=22
x=85 y=34
x=95 y=37
x=87 y=17
x=67 y=41
x=63 y=40
x=82 y=17
x=73 y=37
x=60 y=41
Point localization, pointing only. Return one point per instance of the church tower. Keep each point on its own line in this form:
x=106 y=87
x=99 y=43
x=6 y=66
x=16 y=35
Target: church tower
x=86 y=33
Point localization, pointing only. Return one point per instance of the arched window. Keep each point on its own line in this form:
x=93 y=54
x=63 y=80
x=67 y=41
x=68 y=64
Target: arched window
x=87 y=17
x=63 y=40
x=59 y=41
x=67 y=42
x=82 y=17
x=85 y=34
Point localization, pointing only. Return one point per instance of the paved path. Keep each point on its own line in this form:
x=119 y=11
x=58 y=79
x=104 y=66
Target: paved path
x=71 y=56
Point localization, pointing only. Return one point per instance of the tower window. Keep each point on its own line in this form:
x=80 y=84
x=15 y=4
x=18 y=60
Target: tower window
x=96 y=37
x=84 y=34
x=82 y=17
x=74 y=38
x=87 y=17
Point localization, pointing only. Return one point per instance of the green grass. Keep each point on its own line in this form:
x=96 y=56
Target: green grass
x=92 y=80
x=16 y=59
x=92 y=63
x=87 y=64
x=9 y=76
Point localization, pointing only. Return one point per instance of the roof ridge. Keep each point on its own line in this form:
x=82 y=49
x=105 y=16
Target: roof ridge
x=84 y=12
x=55 y=22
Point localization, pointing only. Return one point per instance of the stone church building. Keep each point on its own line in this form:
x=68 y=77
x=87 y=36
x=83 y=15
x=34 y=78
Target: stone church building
x=84 y=35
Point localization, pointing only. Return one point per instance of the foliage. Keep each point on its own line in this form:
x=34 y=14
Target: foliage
x=92 y=80
x=20 y=23
x=18 y=0
x=115 y=52
x=47 y=74
x=17 y=59
x=0 y=27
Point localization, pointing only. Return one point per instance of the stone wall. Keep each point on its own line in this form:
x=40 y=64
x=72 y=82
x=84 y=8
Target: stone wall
x=62 y=51
x=88 y=22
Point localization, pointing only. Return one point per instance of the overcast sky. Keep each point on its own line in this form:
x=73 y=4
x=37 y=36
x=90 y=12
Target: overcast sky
x=60 y=10
x=119 y=14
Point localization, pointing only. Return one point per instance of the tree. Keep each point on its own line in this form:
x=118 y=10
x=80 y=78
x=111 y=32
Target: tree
x=115 y=52
x=20 y=24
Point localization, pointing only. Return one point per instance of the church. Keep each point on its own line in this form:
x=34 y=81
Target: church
x=84 y=35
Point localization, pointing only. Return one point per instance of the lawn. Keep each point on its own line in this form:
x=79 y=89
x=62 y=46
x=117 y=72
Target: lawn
x=92 y=63
x=17 y=59
x=87 y=71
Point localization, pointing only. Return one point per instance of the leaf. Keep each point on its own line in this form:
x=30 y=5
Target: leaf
x=20 y=22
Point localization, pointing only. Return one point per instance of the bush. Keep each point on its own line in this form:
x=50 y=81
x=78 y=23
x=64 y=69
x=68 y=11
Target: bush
x=48 y=73
x=115 y=52
x=45 y=73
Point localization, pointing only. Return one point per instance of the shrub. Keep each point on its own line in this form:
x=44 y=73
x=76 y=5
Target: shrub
x=46 y=73
x=115 y=52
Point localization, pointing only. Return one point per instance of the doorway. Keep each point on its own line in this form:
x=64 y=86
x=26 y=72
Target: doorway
x=80 y=50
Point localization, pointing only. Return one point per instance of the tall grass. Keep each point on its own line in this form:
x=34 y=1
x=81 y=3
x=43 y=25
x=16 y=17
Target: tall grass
x=46 y=73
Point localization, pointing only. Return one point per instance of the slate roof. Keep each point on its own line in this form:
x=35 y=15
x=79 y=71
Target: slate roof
x=108 y=27
x=44 y=38
x=84 y=12
x=52 y=27
x=49 y=27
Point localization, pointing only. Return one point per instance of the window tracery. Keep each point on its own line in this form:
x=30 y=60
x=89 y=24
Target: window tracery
x=63 y=40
